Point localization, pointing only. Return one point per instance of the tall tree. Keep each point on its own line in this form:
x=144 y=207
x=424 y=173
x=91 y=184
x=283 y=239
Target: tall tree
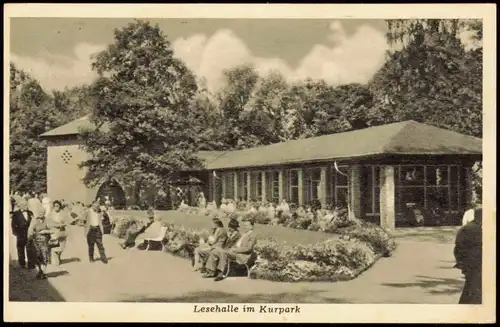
x=32 y=113
x=232 y=98
x=143 y=94
x=430 y=76
x=262 y=115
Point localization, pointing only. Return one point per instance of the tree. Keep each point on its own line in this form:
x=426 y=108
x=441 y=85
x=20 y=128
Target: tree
x=142 y=109
x=231 y=100
x=262 y=115
x=32 y=113
x=74 y=102
x=430 y=76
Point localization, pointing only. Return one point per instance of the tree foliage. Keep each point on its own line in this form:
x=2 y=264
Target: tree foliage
x=431 y=78
x=142 y=110
x=32 y=113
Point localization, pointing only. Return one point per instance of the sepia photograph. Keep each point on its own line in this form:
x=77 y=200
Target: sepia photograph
x=250 y=166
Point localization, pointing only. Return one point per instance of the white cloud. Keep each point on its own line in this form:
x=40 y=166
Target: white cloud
x=348 y=59
x=56 y=71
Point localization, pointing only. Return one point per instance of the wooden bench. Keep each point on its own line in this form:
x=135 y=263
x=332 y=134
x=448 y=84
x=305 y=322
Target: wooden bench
x=158 y=239
x=233 y=263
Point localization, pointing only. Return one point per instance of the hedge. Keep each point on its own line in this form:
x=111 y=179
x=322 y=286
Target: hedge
x=344 y=258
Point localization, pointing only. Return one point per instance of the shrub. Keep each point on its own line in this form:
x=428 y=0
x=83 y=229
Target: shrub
x=375 y=236
x=331 y=260
x=339 y=258
x=314 y=226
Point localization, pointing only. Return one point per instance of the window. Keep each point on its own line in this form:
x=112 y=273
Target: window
x=66 y=156
x=339 y=187
x=256 y=186
x=273 y=186
x=371 y=196
x=312 y=184
x=228 y=180
x=430 y=187
x=242 y=186
x=293 y=186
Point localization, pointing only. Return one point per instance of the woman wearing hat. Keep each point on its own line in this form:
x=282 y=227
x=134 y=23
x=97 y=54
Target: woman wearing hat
x=217 y=238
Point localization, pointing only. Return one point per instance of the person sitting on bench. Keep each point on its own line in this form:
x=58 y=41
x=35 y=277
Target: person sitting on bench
x=150 y=231
x=217 y=238
x=132 y=233
x=241 y=252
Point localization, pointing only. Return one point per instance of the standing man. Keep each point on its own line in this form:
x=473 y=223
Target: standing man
x=468 y=255
x=21 y=220
x=241 y=252
x=94 y=230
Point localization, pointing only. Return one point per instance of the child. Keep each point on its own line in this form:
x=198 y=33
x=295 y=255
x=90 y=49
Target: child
x=132 y=233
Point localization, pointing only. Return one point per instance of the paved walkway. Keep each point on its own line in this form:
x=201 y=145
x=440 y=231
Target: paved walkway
x=420 y=271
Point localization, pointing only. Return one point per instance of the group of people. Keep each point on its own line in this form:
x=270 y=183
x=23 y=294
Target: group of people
x=41 y=229
x=40 y=232
x=211 y=257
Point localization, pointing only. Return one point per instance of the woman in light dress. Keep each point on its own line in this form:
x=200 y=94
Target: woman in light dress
x=46 y=204
x=58 y=221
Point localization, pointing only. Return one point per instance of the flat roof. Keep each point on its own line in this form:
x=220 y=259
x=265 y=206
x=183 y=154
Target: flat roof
x=402 y=138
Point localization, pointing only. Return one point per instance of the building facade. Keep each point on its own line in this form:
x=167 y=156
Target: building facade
x=390 y=174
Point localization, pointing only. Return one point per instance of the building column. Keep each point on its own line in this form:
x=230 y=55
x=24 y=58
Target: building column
x=468 y=187
x=300 y=175
x=223 y=185
x=249 y=187
x=354 y=183
x=235 y=181
x=322 y=187
x=264 y=188
x=387 y=198
x=281 y=185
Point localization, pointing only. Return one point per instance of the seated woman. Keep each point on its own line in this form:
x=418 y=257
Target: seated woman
x=217 y=238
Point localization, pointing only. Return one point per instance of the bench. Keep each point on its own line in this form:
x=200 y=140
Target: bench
x=233 y=263
x=159 y=239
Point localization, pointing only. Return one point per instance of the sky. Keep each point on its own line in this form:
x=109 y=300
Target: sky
x=57 y=51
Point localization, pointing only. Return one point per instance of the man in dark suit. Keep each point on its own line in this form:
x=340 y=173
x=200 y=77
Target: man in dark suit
x=240 y=252
x=21 y=220
x=94 y=230
x=468 y=255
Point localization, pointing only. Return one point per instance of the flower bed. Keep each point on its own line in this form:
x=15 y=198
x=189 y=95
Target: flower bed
x=338 y=258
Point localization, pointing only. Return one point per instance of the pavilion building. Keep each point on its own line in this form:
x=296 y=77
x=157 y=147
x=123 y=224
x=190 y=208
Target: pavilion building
x=382 y=173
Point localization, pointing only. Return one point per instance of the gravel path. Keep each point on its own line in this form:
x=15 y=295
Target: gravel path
x=420 y=271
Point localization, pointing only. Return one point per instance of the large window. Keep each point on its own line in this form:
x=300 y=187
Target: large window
x=256 y=186
x=242 y=186
x=228 y=185
x=421 y=186
x=339 y=186
x=273 y=186
x=371 y=195
x=293 y=186
x=312 y=184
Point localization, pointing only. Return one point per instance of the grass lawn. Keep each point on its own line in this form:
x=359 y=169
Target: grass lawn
x=278 y=233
